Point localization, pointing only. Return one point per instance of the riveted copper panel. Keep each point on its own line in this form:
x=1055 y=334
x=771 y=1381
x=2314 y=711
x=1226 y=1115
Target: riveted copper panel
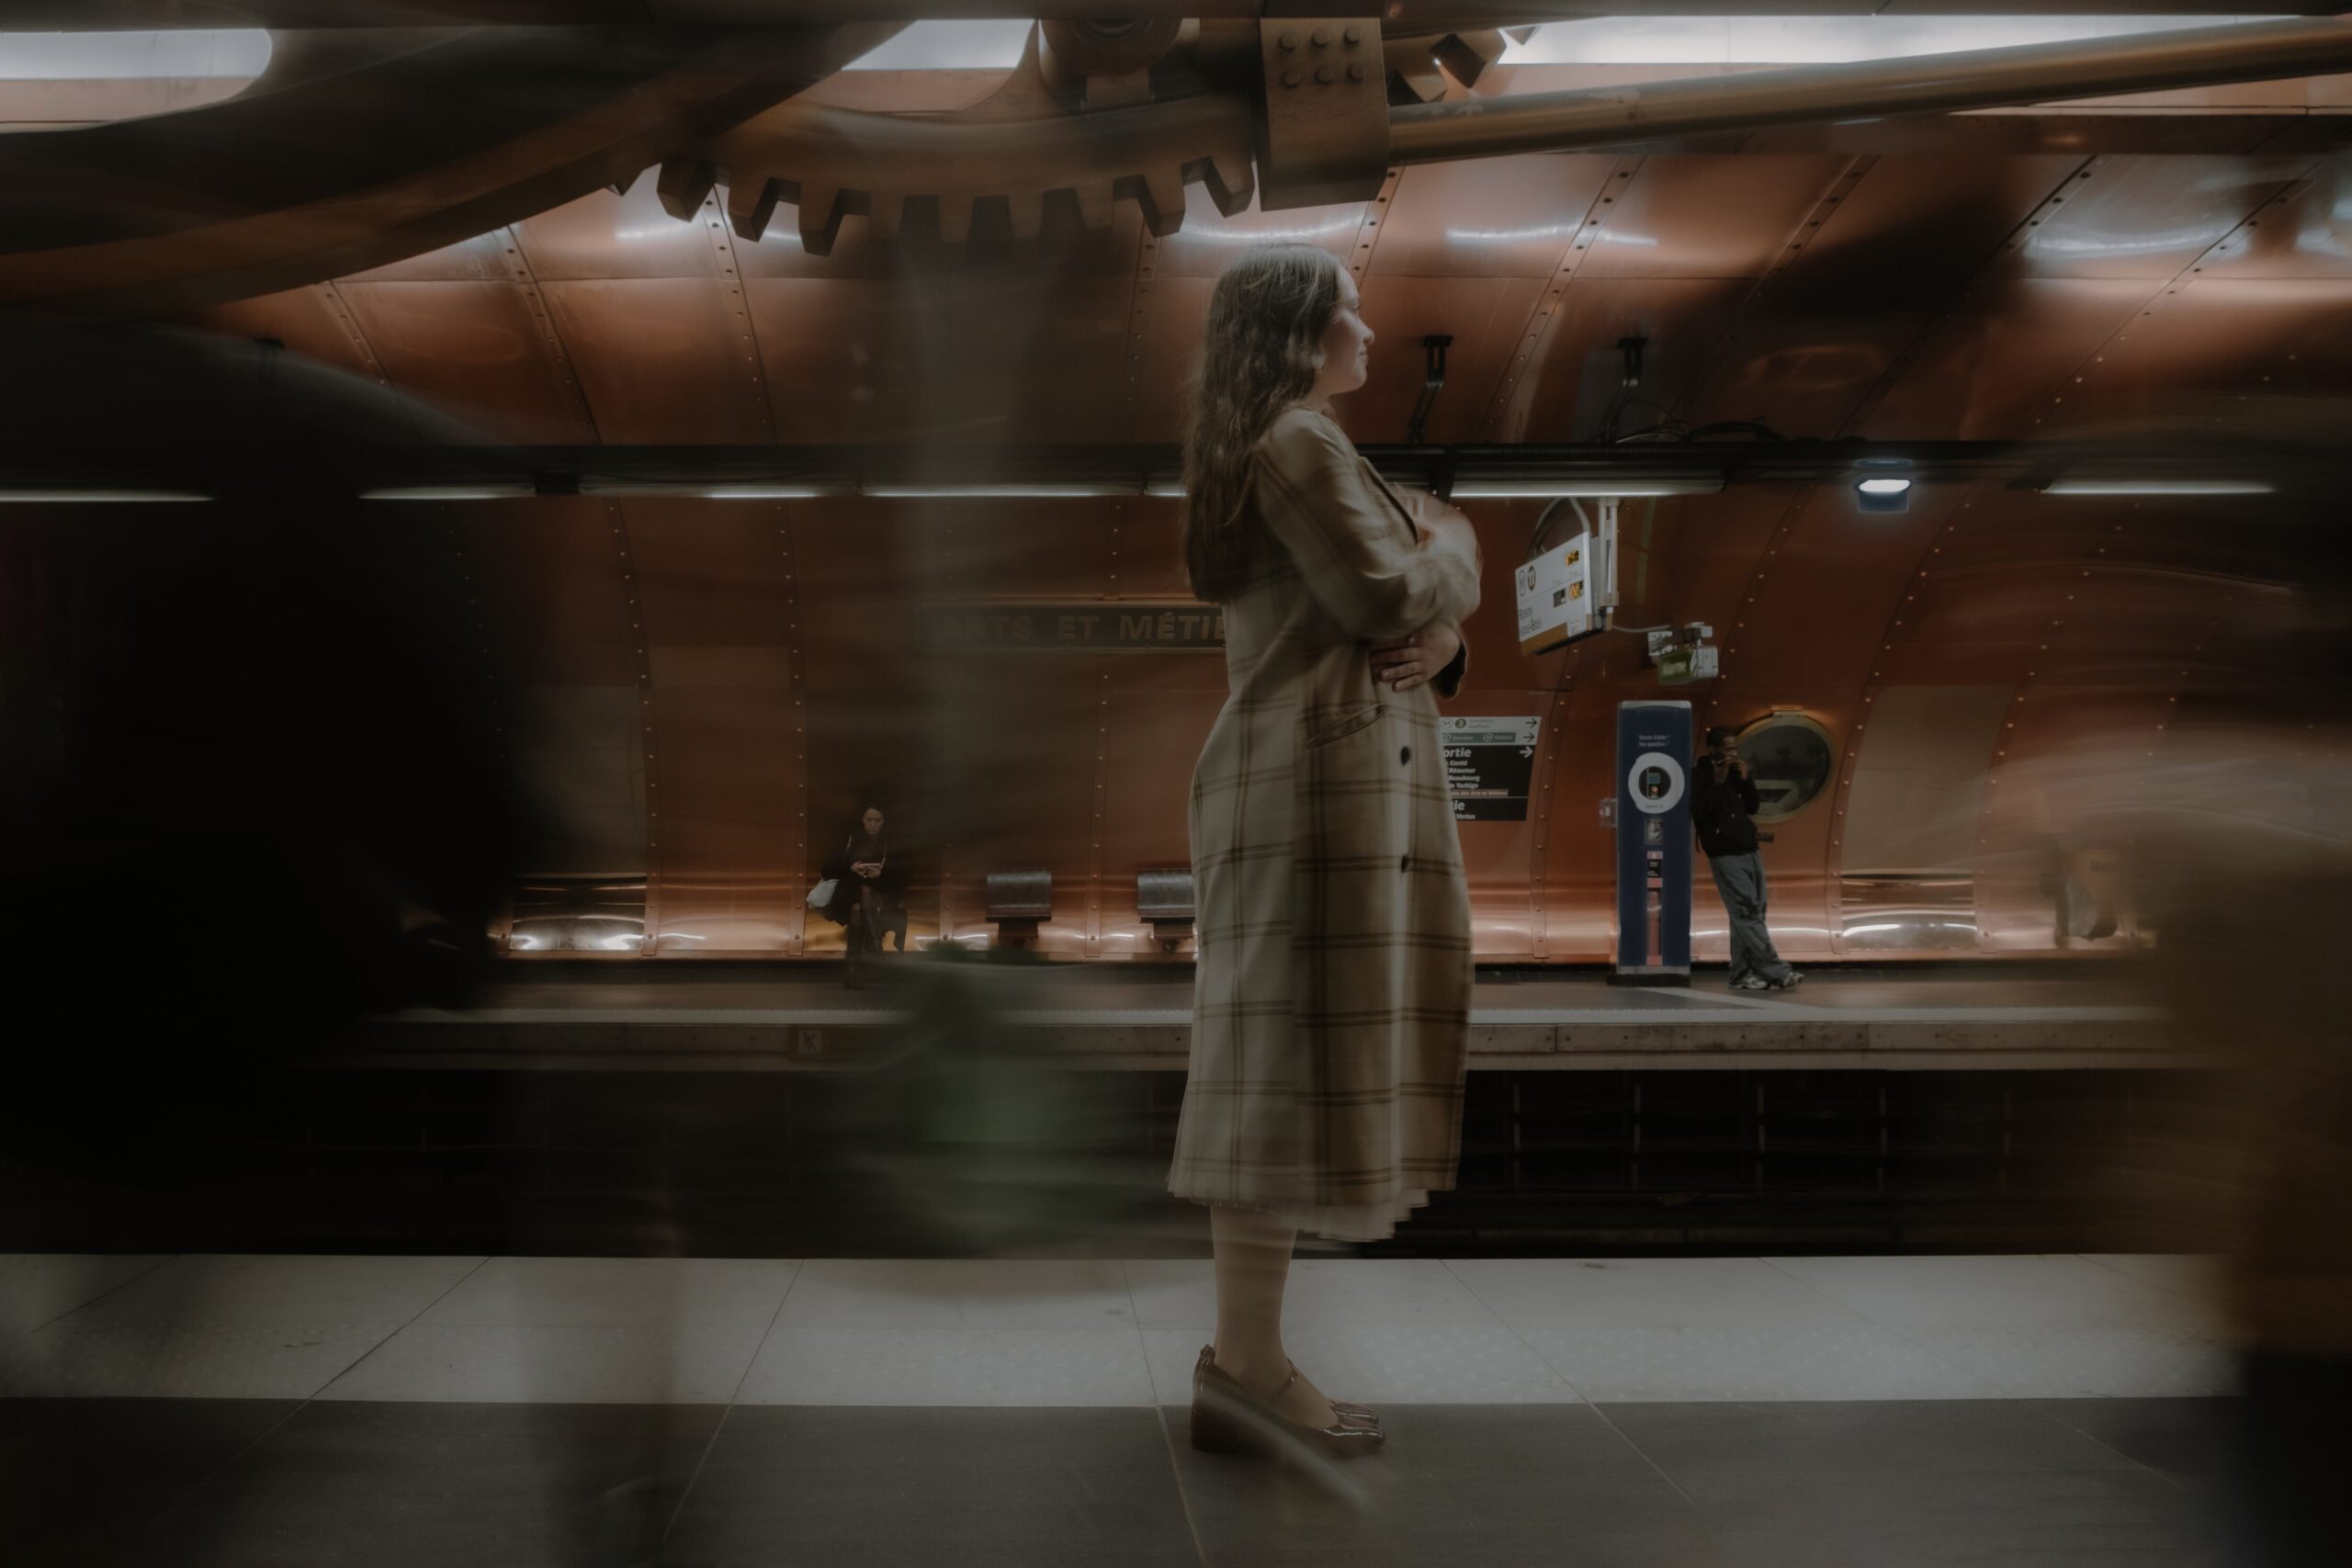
x=2147 y=216
x=1002 y=358
x=663 y=360
x=1578 y=376
x=1023 y=355
x=473 y=348
x=477 y=260
x=828 y=353
x=1162 y=707
x=1780 y=639
x=604 y=235
x=1988 y=367
x=1019 y=549
x=1209 y=240
x=1684 y=215
x=2283 y=337
x=1832 y=323
x=1151 y=554
x=862 y=568
x=2304 y=232
x=1483 y=315
x=1172 y=347
x=726 y=730
x=300 y=319
x=1492 y=218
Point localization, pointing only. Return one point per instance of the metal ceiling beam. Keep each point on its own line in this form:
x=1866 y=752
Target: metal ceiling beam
x=1930 y=84
x=357 y=150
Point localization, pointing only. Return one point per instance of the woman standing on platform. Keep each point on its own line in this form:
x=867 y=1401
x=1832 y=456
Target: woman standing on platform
x=869 y=893
x=1331 y=997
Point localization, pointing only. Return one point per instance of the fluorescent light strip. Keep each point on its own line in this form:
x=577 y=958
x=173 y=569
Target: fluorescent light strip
x=1884 y=487
x=449 y=492
x=744 y=490
x=1040 y=492
x=38 y=497
x=2158 y=487
x=1510 y=489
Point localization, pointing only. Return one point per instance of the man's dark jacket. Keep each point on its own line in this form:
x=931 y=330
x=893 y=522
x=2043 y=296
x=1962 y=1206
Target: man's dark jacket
x=1719 y=811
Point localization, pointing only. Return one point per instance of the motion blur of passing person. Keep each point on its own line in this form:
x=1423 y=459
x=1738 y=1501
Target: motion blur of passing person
x=1722 y=805
x=1331 y=993
x=249 y=746
x=869 y=890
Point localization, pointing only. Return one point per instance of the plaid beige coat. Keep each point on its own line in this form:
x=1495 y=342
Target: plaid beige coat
x=1331 y=1005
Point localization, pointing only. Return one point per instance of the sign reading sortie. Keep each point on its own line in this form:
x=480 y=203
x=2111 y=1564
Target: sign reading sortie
x=1490 y=764
x=1079 y=627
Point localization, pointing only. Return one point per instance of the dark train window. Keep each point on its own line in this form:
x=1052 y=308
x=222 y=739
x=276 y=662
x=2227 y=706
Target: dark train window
x=1792 y=761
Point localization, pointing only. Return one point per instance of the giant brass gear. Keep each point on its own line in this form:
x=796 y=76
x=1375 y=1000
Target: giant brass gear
x=1095 y=113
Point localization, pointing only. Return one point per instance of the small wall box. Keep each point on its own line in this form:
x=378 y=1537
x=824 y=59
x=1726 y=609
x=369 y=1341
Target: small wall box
x=1555 y=597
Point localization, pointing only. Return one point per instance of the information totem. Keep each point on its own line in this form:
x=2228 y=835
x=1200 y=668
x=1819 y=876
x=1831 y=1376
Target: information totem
x=1653 y=844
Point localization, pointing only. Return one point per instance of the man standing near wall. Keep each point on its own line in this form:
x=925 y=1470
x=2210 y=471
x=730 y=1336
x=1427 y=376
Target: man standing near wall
x=1723 y=798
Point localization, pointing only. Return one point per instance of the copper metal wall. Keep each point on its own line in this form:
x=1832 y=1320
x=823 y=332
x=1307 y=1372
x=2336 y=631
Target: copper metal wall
x=708 y=684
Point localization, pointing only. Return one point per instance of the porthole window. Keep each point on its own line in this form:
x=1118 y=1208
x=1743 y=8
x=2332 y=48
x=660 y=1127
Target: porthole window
x=1792 y=761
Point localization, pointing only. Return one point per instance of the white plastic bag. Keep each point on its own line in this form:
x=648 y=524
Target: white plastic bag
x=822 y=894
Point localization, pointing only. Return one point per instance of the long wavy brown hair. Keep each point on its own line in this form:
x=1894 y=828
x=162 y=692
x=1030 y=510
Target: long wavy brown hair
x=1263 y=345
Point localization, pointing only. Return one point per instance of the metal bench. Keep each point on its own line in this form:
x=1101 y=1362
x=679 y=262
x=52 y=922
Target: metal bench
x=1018 y=901
x=1164 y=898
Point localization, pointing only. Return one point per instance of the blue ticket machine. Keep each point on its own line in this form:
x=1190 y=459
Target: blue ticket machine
x=1653 y=844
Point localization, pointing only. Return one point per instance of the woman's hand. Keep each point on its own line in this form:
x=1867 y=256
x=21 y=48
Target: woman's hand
x=868 y=869
x=1401 y=663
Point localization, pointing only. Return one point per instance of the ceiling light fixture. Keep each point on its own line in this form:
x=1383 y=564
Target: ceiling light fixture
x=1882 y=494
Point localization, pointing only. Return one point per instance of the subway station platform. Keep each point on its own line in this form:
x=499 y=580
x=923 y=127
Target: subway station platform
x=1823 y=1412
x=732 y=1017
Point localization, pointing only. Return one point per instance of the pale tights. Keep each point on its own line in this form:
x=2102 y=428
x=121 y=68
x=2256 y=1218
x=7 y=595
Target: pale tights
x=1252 y=1252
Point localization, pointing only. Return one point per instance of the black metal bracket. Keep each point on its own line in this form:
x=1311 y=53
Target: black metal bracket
x=1434 y=346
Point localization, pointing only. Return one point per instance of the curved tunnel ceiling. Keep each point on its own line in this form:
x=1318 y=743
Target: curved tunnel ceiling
x=705 y=684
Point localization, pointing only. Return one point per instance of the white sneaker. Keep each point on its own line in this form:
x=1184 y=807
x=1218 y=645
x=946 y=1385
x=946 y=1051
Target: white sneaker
x=1751 y=982
x=1788 y=982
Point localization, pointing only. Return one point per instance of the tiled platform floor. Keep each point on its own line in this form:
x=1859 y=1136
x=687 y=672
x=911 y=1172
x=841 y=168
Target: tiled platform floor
x=1875 y=1412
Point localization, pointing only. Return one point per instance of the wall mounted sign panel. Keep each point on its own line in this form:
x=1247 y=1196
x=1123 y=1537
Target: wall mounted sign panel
x=1490 y=764
x=1088 y=627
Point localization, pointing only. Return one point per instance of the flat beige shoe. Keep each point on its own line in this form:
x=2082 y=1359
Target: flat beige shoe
x=1227 y=1418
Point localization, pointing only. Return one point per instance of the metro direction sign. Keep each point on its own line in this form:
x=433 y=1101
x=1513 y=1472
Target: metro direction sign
x=1490 y=764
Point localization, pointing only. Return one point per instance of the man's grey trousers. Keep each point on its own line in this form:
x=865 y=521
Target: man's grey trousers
x=1740 y=879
